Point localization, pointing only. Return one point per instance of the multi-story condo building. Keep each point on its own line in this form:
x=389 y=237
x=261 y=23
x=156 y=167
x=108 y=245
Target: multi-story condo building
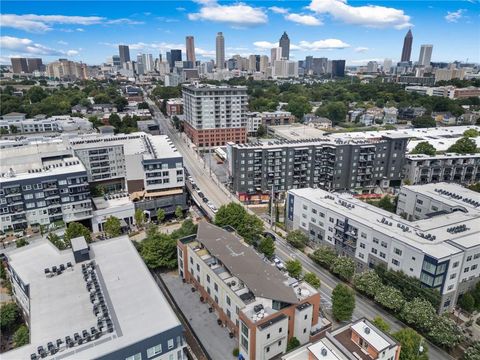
x=326 y=163
x=41 y=185
x=174 y=107
x=78 y=303
x=433 y=238
x=40 y=123
x=215 y=115
x=268 y=118
x=450 y=167
x=149 y=167
x=260 y=305
x=67 y=70
x=360 y=340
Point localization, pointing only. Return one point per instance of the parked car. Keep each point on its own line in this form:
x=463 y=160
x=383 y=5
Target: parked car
x=212 y=207
x=201 y=194
x=205 y=200
x=278 y=263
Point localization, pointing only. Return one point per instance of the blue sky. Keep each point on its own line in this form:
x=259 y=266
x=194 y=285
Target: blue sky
x=358 y=31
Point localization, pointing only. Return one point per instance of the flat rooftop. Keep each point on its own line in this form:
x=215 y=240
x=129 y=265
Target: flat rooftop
x=296 y=132
x=442 y=242
x=60 y=305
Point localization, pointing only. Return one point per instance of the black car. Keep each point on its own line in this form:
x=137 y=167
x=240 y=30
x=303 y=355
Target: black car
x=201 y=195
x=205 y=200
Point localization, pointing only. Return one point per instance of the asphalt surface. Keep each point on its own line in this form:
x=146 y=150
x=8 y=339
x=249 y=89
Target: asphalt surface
x=216 y=193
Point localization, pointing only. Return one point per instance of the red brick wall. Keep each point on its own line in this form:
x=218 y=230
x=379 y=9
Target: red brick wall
x=215 y=137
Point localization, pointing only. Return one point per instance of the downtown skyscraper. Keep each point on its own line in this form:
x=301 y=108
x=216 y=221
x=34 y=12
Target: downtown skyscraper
x=284 y=43
x=425 y=55
x=124 y=52
x=220 y=51
x=407 y=46
x=190 y=47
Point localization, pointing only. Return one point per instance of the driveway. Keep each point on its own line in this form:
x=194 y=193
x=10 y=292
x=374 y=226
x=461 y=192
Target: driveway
x=214 y=338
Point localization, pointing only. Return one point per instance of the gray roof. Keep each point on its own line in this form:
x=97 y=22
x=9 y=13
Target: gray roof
x=78 y=243
x=242 y=261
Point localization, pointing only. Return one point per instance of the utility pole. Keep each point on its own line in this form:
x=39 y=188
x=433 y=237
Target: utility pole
x=272 y=198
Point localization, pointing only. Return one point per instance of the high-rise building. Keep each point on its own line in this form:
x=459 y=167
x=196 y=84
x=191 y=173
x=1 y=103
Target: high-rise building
x=169 y=59
x=19 y=65
x=263 y=63
x=285 y=69
x=275 y=54
x=308 y=62
x=190 y=46
x=175 y=55
x=67 y=70
x=372 y=67
x=139 y=66
x=215 y=115
x=387 y=65
x=220 y=51
x=147 y=61
x=284 y=43
x=407 y=46
x=319 y=66
x=425 y=55
x=124 y=52
x=338 y=68
x=34 y=64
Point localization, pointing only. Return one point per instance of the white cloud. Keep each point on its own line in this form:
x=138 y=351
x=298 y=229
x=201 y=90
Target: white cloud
x=61 y=42
x=278 y=10
x=26 y=46
x=237 y=15
x=364 y=61
x=308 y=20
x=303 y=45
x=361 y=49
x=181 y=9
x=367 y=15
x=80 y=29
x=204 y=53
x=454 y=16
x=41 y=23
x=326 y=44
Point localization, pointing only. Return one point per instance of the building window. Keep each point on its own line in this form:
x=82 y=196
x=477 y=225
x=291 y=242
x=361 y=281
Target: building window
x=455 y=264
x=268 y=336
x=198 y=267
x=228 y=300
x=469 y=258
x=453 y=276
x=280 y=343
x=397 y=251
x=208 y=278
x=268 y=348
x=245 y=343
x=216 y=299
x=170 y=344
x=157 y=349
x=395 y=262
x=375 y=241
x=215 y=286
x=374 y=251
x=135 y=357
x=280 y=330
x=362 y=245
x=244 y=329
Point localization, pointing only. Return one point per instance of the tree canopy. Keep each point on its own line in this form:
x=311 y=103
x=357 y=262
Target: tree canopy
x=424 y=147
x=411 y=341
x=343 y=302
x=74 y=230
x=297 y=239
x=267 y=246
x=312 y=279
x=247 y=225
x=113 y=226
x=294 y=268
x=424 y=121
x=465 y=145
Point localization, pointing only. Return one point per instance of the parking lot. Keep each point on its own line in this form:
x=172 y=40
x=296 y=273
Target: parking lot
x=214 y=338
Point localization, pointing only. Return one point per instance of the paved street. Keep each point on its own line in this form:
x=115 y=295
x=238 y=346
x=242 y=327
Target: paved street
x=363 y=308
x=216 y=340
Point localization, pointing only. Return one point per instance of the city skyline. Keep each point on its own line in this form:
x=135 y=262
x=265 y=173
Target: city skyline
x=334 y=32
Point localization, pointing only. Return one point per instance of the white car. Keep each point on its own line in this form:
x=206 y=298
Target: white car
x=278 y=263
x=212 y=207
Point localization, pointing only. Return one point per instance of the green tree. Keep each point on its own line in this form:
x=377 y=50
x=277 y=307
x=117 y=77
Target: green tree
x=297 y=239
x=386 y=203
x=324 y=256
x=299 y=106
x=101 y=99
x=179 y=212
x=9 y=315
x=21 y=336
x=390 y=298
x=424 y=147
x=343 y=302
x=55 y=240
x=159 y=251
x=425 y=121
x=160 y=215
x=267 y=246
x=467 y=302
x=261 y=131
x=294 y=268
x=115 y=121
x=471 y=133
x=143 y=105
x=445 y=332
x=411 y=343
x=380 y=323
x=120 y=103
x=464 y=145
x=139 y=218
x=36 y=94
x=367 y=282
x=419 y=313
x=113 y=226
x=248 y=226
x=13 y=129
x=292 y=343
x=472 y=352
x=187 y=228
x=74 y=230
x=475 y=187
x=21 y=242
x=344 y=267
x=312 y=279
x=335 y=111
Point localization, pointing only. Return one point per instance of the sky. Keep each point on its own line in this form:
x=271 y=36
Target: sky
x=358 y=31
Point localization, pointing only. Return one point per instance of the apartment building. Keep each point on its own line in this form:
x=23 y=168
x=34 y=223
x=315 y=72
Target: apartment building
x=268 y=118
x=433 y=236
x=41 y=123
x=215 y=115
x=174 y=107
x=42 y=184
x=78 y=303
x=149 y=167
x=327 y=163
x=67 y=70
x=259 y=305
x=450 y=167
x=359 y=340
